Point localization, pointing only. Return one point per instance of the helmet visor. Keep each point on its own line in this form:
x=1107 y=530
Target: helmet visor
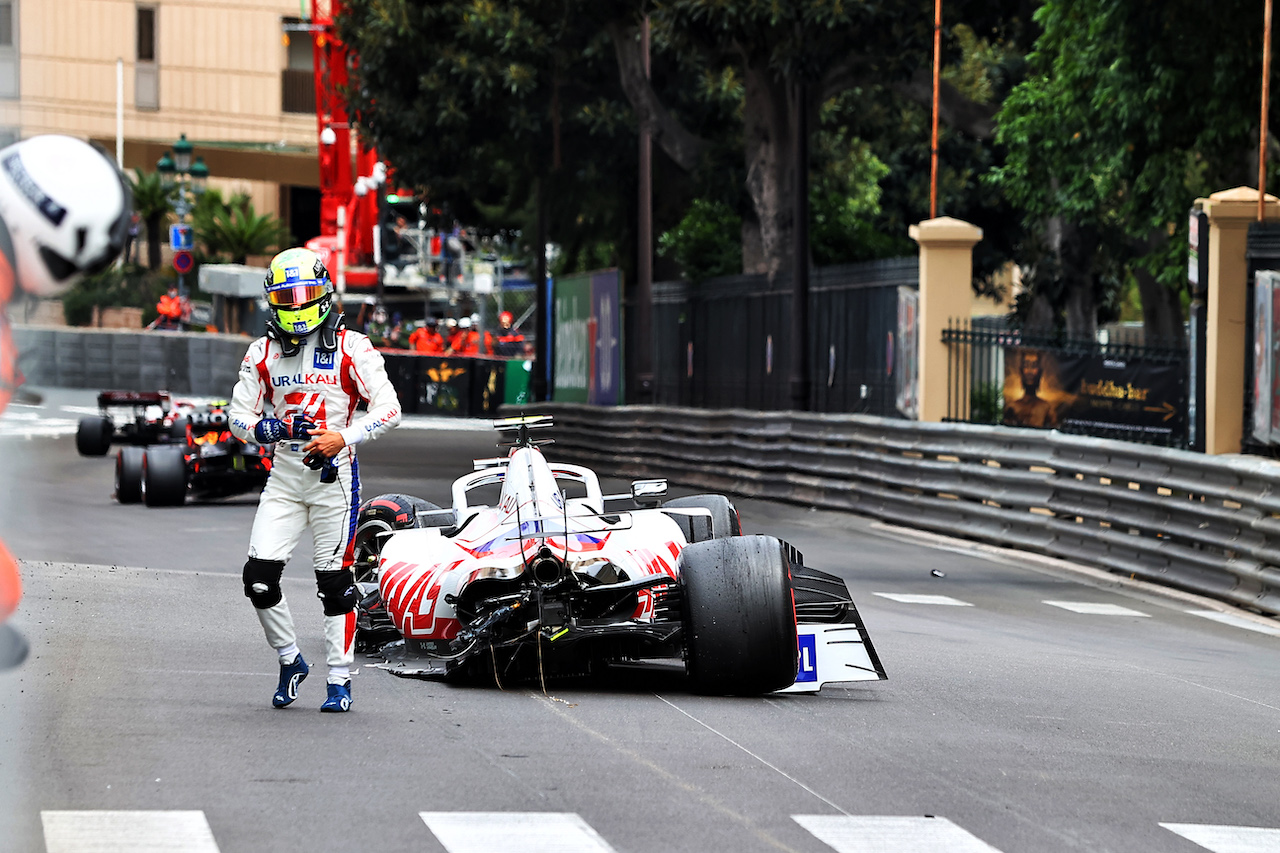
x=296 y=294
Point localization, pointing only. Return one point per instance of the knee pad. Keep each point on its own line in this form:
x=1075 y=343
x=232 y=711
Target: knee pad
x=338 y=591
x=262 y=582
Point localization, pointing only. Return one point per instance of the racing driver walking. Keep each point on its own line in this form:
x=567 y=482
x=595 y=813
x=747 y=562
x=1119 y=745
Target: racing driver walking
x=311 y=372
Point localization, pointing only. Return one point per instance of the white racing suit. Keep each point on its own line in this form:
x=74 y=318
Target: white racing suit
x=324 y=387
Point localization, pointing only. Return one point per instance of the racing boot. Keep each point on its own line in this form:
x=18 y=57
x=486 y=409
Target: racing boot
x=291 y=675
x=339 y=698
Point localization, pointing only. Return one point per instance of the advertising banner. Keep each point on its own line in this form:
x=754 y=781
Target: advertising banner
x=606 y=338
x=588 y=339
x=905 y=353
x=1094 y=394
x=572 y=339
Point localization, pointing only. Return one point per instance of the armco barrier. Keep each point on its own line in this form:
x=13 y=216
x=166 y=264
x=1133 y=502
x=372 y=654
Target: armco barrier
x=62 y=357
x=207 y=365
x=1205 y=524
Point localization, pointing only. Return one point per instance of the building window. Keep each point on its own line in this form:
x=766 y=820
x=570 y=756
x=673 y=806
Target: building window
x=297 y=80
x=8 y=49
x=6 y=25
x=146 y=90
x=146 y=34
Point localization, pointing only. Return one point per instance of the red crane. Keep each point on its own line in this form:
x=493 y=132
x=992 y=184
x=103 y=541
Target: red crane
x=348 y=201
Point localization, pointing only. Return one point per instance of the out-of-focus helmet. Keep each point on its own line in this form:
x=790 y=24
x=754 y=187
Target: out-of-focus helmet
x=67 y=208
x=506 y=318
x=299 y=292
x=464 y=322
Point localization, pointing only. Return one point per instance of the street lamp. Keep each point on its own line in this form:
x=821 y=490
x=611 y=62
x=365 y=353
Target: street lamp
x=180 y=176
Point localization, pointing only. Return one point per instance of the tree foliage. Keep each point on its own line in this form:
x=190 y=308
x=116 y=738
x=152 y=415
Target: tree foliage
x=152 y=203
x=1131 y=111
x=234 y=229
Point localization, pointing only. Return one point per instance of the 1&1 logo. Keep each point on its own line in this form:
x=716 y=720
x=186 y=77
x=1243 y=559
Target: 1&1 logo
x=808 y=659
x=323 y=360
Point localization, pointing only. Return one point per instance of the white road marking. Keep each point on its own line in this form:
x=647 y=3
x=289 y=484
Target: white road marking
x=1229 y=839
x=127 y=832
x=909 y=598
x=22 y=426
x=1237 y=621
x=891 y=834
x=514 y=832
x=1094 y=608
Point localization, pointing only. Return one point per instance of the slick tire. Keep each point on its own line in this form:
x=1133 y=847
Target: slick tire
x=164 y=477
x=724 y=517
x=381 y=515
x=93 y=436
x=739 y=620
x=129 y=474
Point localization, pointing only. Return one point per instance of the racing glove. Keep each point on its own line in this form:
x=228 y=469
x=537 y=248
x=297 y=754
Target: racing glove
x=271 y=430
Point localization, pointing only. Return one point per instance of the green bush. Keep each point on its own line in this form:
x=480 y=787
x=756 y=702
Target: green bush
x=986 y=403
x=707 y=242
x=129 y=286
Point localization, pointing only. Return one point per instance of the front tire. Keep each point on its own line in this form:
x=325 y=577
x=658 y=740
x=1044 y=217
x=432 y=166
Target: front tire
x=379 y=516
x=739 y=619
x=724 y=517
x=164 y=477
x=129 y=474
x=93 y=436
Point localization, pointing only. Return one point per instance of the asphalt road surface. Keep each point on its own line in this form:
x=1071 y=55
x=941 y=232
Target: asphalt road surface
x=1029 y=707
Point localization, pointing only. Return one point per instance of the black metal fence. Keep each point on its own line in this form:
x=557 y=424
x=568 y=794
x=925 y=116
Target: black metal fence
x=1119 y=385
x=724 y=343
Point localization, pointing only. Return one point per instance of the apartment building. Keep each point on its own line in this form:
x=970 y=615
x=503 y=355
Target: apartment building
x=230 y=74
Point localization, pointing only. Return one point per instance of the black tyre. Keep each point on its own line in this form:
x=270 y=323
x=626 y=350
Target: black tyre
x=129 y=474
x=381 y=515
x=164 y=477
x=724 y=517
x=739 y=620
x=93 y=436
x=178 y=431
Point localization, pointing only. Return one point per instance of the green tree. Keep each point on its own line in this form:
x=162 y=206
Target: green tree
x=152 y=203
x=1131 y=111
x=233 y=229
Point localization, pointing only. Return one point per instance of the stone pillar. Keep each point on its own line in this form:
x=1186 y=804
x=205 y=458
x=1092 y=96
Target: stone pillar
x=1230 y=213
x=946 y=293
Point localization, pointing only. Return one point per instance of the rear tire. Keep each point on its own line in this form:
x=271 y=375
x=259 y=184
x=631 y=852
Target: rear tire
x=164 y=477
x=739 y=620
x=724 y=517
x=129 y=474
x=381 y=515
x=93 y=436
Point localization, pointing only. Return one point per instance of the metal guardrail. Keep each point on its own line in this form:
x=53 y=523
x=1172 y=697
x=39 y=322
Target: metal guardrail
x=1209 y=525
x=65 y=357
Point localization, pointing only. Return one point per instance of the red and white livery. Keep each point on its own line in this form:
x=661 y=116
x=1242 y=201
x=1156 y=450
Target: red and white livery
x=534 y=572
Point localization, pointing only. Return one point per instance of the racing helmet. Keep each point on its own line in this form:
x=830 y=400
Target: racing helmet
x=67 y=208
x=299 y=292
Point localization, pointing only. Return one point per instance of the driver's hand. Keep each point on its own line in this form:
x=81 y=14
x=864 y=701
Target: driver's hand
x=326 y=441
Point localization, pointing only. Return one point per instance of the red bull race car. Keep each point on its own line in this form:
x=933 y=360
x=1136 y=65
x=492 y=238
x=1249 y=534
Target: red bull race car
x=534 y=573
x=206 y=463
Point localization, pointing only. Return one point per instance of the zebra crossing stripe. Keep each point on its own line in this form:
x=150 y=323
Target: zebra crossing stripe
x=891 y=834
x=514 y=832
x=127 y=832
x=911 y=598
x=1228 y=839
x=1094 y=608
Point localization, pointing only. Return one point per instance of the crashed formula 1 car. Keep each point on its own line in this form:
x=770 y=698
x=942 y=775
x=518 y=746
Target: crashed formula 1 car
x=553 y=578
x=207 y=463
